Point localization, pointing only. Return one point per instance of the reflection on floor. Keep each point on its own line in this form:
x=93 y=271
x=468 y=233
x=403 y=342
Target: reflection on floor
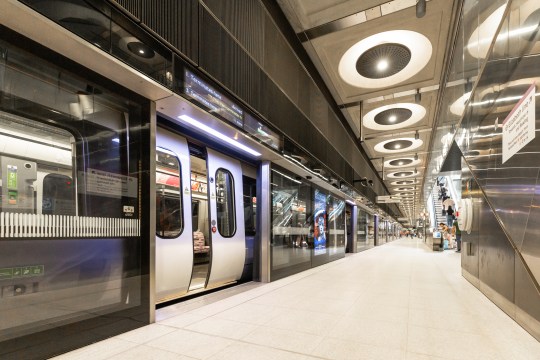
x=396 y=301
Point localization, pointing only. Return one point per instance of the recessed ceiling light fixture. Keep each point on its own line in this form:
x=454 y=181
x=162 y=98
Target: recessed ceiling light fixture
x=420 y=8
x=394 y=116
x=369 y=50
x=382 y=65
x=403 y=144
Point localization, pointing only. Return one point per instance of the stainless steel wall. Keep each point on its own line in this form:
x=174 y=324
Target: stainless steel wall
x=502 y=253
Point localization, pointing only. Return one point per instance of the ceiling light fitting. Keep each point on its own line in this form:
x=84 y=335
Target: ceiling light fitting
x=417 y=135
x=420 y=8
x=416 y=156
x=417 y=96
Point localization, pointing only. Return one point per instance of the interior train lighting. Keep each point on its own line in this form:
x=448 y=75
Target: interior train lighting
x=189 y=120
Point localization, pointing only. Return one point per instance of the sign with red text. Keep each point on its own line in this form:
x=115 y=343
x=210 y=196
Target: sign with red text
x=519 y=125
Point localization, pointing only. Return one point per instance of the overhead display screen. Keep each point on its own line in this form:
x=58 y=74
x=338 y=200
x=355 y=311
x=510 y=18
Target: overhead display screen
x=216 y=102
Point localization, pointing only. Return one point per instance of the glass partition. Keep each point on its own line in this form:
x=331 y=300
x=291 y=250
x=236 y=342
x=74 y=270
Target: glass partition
x=363 y=239
x=336 y=228
x=71 y=168
x=308 y=225
x=291 y=241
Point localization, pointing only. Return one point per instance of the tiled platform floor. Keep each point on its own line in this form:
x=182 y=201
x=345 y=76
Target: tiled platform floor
x=397 y=301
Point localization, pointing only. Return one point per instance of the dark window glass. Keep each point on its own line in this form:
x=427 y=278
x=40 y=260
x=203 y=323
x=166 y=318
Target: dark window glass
x=250 y=205
x=58 y=195
x=169 y=214
x=226 y=219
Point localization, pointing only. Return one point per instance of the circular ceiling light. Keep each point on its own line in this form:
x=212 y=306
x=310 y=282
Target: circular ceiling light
x=404 y=189
x=398 y=145
x=401 y=162
x=403 y=182
x=385 y=59
x=401 y=174
x=394 y=116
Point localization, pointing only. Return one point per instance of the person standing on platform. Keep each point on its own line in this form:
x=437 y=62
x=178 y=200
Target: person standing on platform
x=457 y=232
x=449 y=216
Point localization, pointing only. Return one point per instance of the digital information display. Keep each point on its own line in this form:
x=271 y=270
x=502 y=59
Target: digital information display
x=319 y=223
x=217 y=103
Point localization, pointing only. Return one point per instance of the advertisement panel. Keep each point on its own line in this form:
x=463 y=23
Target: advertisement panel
x=319 y=222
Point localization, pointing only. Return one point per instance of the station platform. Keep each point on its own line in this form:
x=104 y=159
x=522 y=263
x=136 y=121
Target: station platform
x=396 y=301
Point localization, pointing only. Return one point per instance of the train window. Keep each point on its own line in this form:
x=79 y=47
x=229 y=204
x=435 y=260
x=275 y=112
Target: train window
x=169 y=212
x=226 y=219
x=58 y=195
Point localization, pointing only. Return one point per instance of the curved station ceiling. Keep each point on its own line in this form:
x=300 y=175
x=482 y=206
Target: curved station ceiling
x=383 y=62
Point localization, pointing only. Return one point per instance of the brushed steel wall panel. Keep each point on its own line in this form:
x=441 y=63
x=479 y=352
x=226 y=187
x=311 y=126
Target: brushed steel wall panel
x=280 y=62
x=511 y=191
x=243 y=19
x=175 y=21
x=527 y=299
x=228 y=63
x=530 y=247
x=132 y=6
x=496 y=268
x=318 y=108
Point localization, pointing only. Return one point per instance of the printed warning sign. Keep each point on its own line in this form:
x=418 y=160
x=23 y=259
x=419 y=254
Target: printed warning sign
x=519 y=125
x=108 y=184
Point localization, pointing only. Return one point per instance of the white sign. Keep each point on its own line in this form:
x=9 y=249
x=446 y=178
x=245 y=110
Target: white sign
x=387 y=199
x=519 y=125
x=108 y=184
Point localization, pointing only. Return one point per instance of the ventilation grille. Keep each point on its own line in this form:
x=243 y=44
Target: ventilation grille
x=393 y=116
x=398 y=145
x=397 y=57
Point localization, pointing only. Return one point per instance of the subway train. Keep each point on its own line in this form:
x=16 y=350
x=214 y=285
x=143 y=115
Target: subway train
x=205 y=217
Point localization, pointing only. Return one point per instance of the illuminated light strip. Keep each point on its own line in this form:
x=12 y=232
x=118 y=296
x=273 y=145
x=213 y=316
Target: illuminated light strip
x=218 y=135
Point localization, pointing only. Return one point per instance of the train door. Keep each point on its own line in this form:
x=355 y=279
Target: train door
x=174 y=245
x=227 y=219
x=200 y=240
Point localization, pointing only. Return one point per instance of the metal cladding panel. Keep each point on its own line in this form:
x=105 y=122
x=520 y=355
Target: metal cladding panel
x=530 y=247
x=132 y=6
x=175 y=21
x=243 y=19
x=528 y=300
x=280 y=62
x=226 y=61
x=496 y=255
